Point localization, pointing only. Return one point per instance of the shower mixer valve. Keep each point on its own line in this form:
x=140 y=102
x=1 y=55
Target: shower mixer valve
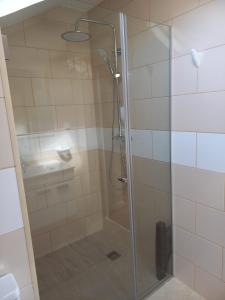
x=122 y=179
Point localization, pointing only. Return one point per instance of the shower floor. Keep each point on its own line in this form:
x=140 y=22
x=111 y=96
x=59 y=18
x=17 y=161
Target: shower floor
x=83 y=271
x=174 y=289
x=98 y=267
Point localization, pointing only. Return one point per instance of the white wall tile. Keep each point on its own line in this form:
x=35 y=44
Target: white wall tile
x=184 y=148
x=210 y=224
x=209 y=286
x=10 y=213
x=184 y=76
x=142 y=143
x=184 y=213
x=212 y=70
x=161 y=145
x=184 y=270
x=201 y=252
x=211 y=151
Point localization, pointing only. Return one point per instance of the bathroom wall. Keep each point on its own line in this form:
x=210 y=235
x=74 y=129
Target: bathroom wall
x=149 y=53
x=52 y=96
x=14 y=247
x=114 y=192
x=198 y=133
x=198 y=143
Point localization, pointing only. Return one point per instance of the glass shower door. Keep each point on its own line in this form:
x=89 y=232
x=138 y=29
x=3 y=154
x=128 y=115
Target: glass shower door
x=146 y=61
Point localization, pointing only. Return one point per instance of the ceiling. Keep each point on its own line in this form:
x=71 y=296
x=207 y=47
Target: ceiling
x=79 y=5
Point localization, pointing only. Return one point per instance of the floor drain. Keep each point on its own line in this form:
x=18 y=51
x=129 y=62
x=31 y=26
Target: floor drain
x=113 y=255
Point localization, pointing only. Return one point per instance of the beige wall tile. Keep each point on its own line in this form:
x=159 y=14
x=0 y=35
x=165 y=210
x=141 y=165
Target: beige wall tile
x=160 y=10
x=185 y=76
x=61 y=91
x=70 y=65
x=199 y=112
x=188 y=30
x=150 y=114
x=42 y=91
x=184 y=270
x=140 y=83
x=76 y=209
x=214 y=63
x=209 y=286
x=114 y=5
x=15 y=34
x=77 y=91
x=106 y=114
x=28 y=62
x=89 y=116
x=6 y=156
x=153 y=173
x=184 y=213
x=179 y=7
x=94 y=203
x=138 y=8
x=63 y=14
x=94 y=223
x=71 y=116
x=15 y=259
x=63 y=65
x=51 y=217
x=155 y=40
x=21 y=91
x=21 y=120
x=161 y=79
x=41 y=118
x=199 y=251
x=210 y=224
x=90 y=182
x=202 y=186
x=44 y=34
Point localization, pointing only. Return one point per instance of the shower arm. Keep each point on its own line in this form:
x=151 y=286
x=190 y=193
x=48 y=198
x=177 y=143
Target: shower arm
x=104 y=24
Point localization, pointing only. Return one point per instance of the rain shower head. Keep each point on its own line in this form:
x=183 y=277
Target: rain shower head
x=76 y=36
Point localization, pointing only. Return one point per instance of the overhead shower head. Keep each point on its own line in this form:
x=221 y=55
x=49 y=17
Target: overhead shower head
x=76 y=36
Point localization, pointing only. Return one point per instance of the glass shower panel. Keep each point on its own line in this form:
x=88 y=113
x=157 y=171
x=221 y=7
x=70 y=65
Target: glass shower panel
x=149 y=110
x=69 y=120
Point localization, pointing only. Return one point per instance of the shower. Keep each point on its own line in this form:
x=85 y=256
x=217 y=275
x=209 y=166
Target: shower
x=117 y=130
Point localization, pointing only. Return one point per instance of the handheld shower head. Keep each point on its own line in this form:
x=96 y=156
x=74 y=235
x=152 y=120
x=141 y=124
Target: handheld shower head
x=104 y=55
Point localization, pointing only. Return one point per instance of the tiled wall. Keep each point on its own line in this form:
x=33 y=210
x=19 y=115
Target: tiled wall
x=115 y=192
x=198 y=132
x=149 y=52
x=198 y=143
x=13 y=250
x=52 y=96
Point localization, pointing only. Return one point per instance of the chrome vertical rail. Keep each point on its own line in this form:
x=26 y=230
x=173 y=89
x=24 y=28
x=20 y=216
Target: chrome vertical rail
x=125 y=93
